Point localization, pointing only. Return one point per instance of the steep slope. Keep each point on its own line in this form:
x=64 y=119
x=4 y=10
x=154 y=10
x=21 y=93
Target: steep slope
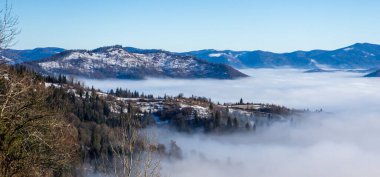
x=117 y=62
x=374 y=74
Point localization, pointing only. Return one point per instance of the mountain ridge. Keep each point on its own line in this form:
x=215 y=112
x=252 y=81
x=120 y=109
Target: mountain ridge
x=359 y=55
x=117 y=62
x=356 y=56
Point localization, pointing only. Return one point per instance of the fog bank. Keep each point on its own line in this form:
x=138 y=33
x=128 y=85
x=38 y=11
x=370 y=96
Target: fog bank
x=289 y=87
x=342 y=142
x=338 y=145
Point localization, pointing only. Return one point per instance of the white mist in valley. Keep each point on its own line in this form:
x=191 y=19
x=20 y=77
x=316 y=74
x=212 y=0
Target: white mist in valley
x=337 y=145
x=288 y=87
x=342 y=142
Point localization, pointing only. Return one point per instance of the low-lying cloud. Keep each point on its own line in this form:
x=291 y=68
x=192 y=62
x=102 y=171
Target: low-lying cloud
x=338 y=145
x=289 y=87
x=342 y=142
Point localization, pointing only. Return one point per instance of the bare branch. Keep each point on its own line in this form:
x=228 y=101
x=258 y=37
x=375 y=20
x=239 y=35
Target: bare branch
x=8 y=26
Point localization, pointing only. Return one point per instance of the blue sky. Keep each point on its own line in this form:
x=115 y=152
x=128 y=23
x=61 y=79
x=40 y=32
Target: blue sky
x=274 y=25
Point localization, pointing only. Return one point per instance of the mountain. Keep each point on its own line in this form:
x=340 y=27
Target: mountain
x=319 y=70
x=373 y=74
x=357 y=56
x=125 y=63
x=19 y=56
x=360 y=55
x=228 y=57
x=253 y=59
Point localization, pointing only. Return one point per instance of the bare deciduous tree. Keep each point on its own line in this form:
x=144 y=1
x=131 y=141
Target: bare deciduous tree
x=135 y=155
x=8 y=26
x=35 y=139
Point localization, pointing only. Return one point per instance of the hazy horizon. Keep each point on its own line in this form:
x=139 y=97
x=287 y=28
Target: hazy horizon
x=342 y=47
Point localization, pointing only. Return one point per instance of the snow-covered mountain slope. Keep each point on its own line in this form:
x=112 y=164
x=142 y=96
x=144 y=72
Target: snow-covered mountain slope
x=357 y=56
x=118 y=62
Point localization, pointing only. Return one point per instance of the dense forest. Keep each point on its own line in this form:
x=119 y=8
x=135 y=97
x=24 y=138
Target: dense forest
x=55 y=127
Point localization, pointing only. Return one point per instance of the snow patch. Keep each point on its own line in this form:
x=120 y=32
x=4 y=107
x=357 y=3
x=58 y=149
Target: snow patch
x=7 y=60
x=348 y=49
x=216 y=54
x=321 y=66
x=201 y=112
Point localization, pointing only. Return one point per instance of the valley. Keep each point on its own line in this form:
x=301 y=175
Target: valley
x=210 y=88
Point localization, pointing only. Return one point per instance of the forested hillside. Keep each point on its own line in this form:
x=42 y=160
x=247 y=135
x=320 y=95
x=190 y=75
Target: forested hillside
x=54 y=127
x=57 y=127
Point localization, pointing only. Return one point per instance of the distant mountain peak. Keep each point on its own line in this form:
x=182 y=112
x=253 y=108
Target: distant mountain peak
x=363 y=46
x=108 y=48
x=144 y=51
